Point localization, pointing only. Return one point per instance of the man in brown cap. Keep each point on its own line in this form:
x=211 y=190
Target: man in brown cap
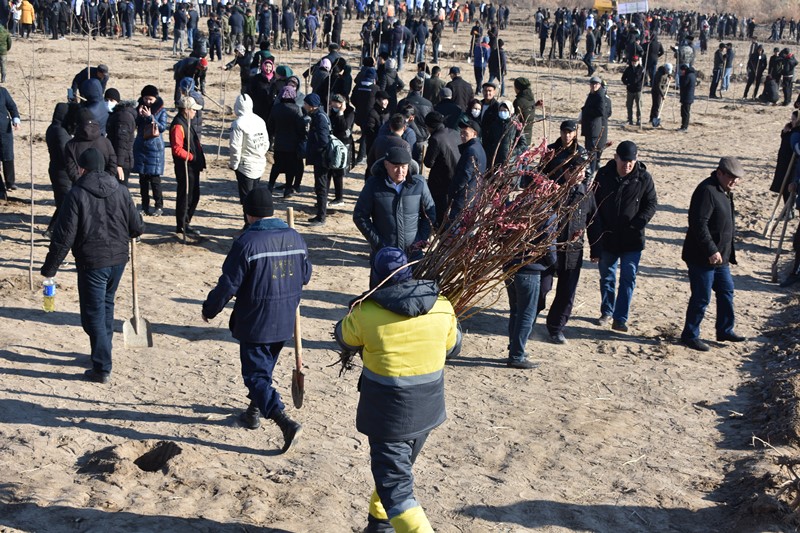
x=708 y=251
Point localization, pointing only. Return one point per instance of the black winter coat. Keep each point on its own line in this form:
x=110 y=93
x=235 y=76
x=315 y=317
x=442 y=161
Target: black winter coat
x=633 y=78
x=363 y=99
x=121 y=130
x=387 y=218
x=688 y=81
x=624 y=207
x=97 y=221
x=88 y=136
x=525 y=107
x=441 y=158
x=462 y=92
x=260 y=90
x=57 y=137
x=570 y=254
x=592 y=114
x=782 y=164
x=451 y=113
x=711 y=224
x=471 y=163
x=8 y=112
x=286 y=117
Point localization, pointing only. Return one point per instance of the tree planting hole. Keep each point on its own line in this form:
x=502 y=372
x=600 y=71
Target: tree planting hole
x=158 y=457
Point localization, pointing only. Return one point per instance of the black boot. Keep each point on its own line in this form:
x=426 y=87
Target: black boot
x=290 y=429
x=251 y=419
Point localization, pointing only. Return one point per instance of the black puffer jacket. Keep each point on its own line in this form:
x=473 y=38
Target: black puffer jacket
x=97 y=221
x=592 y=114
x=121 y=129
x=711 y=224
x=57 y=138
x=88 y=136
x=387 y=218
x=624 y=207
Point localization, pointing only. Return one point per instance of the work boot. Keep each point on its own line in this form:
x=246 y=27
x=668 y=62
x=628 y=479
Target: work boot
x=290 y=429
x=251 y=419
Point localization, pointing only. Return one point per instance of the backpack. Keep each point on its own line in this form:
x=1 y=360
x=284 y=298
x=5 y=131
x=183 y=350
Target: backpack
x=336 y=154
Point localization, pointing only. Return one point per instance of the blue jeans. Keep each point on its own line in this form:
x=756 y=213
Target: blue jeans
x=258 y=363
x=523 y=299
x=611 y=303
x=420 y=53
x=96 y=290
x=702 y=280
x=726 y=78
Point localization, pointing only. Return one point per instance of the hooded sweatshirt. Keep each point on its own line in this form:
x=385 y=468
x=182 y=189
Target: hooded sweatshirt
x=87 y=135
x=249 y=140
x=92 y=92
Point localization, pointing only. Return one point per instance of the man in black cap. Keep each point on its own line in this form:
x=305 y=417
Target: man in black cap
x=266 y=270
x=471 y=164
x=626 y=201
x=96 y=220
x=462 y=90
x=395 y=208
x=99 y=72
x=708 y=251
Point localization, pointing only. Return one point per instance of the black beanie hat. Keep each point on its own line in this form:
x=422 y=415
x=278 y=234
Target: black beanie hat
x=150 y=90
x=91 y=159
x=258 y=202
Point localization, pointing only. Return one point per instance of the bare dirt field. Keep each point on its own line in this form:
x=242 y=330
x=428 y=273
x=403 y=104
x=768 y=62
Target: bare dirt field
x=612 y=433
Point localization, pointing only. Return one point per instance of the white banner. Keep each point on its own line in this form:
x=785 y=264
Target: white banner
x=629 y=8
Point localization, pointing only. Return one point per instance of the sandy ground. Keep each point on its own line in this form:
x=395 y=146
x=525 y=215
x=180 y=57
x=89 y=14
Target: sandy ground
x=612 y=433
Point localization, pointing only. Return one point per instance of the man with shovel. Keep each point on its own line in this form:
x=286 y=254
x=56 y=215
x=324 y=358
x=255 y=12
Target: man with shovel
x=97 y=220
x=266 y=270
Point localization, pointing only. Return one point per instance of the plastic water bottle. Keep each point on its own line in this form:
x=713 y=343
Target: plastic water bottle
x=49 y=292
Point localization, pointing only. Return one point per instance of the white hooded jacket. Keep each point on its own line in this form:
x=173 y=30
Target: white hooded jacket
x=249 y=140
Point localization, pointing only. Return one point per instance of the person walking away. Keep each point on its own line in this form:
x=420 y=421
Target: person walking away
x=57 y=137
x=287 y=116
x=148 y=149
x=249 y=143
x=402 y=382
x=189 y=161
x=626 y=201
x=708 y=251
x=97 y=221
x=688 y=81
x=265 y=270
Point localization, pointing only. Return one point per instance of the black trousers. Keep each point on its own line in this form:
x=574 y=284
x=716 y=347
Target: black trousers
x=245 y=185
x=321 y=190
x=686 y=112
x=288 y=163
x=188 y=195
x=655 y=110
x=148 y=183
x=561 y=308
x=337 y=177
x=9 y=175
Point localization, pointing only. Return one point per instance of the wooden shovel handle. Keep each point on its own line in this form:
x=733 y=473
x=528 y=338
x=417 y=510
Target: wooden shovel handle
x=298 y=334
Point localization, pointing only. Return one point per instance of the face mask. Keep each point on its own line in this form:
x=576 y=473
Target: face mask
x=504 y=115
x=110 y=105
x=476 y=113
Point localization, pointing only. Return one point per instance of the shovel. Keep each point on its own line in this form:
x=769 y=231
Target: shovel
x=136 y=331
x=298 y=378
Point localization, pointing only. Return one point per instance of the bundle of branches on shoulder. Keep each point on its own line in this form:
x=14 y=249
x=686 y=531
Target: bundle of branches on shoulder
x=513 y=219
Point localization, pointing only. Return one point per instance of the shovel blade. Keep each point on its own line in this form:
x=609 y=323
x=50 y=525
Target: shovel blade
x=298 y=388
x=137 y=335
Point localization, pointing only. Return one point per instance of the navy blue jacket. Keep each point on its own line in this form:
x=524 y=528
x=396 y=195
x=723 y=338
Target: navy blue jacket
x=319 y=135
x=148 y=154
x=266 y=270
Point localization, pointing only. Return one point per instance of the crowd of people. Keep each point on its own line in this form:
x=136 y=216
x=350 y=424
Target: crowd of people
x=335 y=116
